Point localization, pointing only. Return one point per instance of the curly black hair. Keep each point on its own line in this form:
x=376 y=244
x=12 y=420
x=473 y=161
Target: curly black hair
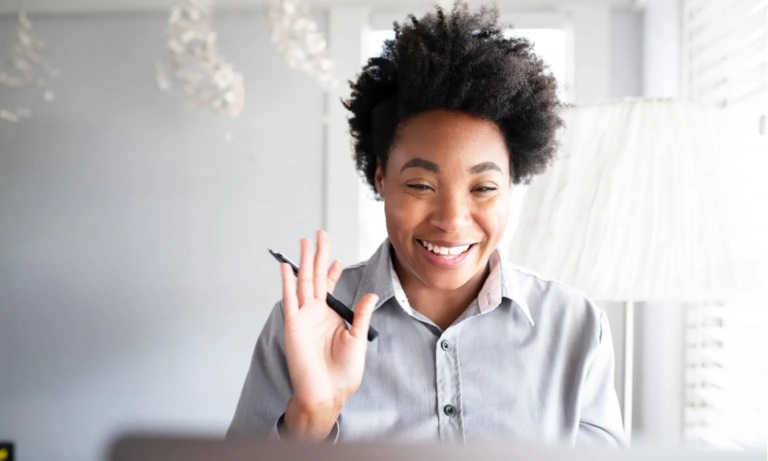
x=460 y=62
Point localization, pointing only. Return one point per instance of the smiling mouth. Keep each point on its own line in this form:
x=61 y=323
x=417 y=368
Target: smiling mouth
x=446 y=252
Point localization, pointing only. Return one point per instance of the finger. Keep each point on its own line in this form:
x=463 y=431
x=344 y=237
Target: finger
x=362 y=319
x=321 y=265
x=333 y=275
x=290 y=303
x=306 y=290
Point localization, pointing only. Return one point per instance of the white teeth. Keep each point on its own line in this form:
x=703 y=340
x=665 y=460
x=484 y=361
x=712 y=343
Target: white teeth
x=445 y=251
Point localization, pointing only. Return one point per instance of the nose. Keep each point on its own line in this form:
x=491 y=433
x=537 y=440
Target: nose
x=452 y=214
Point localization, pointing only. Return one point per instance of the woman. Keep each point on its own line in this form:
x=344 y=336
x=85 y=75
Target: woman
x=445 y=121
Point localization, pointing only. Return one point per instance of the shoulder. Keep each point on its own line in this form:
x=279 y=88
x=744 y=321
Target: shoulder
x=555 y=306
x=349 y=281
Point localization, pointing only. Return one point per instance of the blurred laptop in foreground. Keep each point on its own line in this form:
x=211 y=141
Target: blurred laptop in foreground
x=179 y=448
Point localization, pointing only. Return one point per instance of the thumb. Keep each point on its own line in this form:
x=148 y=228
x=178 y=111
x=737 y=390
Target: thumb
x=363 y=314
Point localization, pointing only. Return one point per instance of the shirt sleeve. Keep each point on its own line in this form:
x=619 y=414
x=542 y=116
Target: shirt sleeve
x=277 y=431
x=267 y=387
x=600 y=421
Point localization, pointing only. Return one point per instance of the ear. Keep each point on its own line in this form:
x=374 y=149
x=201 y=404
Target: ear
x=378 y=179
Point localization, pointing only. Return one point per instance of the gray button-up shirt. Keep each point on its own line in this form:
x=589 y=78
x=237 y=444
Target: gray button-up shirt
x=530 y=359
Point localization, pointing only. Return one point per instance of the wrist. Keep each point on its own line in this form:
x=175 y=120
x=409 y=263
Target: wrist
x=310 y=422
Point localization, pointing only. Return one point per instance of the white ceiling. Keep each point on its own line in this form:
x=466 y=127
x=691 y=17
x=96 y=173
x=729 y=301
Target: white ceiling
x=99 y=6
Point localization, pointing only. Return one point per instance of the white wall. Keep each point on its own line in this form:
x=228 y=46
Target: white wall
x=659 y=339
x=134 y=276
x=606 y=46
x=626 y=52
x=347 y=41
x=661 y=48
x=589 y=31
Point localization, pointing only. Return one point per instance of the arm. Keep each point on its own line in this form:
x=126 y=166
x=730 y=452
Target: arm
x=600 y=420
x=306 y=363
x=267 y=388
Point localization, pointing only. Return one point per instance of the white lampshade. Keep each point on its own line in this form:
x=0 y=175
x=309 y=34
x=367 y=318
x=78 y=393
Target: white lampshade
x=649 y=200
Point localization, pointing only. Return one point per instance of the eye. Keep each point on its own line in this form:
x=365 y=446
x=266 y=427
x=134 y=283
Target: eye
x=421 y=187
x=485 y=190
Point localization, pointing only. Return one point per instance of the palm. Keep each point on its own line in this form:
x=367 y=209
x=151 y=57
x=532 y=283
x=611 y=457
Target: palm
x=325 y=359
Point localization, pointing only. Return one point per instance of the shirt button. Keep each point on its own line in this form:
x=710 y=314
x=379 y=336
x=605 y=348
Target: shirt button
x=445 y=345
x=449 y=410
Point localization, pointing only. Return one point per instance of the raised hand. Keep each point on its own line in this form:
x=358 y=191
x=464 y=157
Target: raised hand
x=325 y=358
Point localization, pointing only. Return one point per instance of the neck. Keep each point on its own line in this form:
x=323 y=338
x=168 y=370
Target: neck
x=442 y=307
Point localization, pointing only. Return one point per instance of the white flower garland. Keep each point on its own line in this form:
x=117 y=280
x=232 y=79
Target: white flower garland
x=300 y=41
x=28 y=67
x=193 y=62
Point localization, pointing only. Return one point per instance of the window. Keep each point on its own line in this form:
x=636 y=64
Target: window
x=726 y=385
x=725 y=56
x=725 y=63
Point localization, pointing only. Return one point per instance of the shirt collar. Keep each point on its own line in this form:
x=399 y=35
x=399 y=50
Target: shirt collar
x=380 y=278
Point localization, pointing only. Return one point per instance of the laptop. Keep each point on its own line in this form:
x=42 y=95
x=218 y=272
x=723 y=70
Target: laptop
x=181 y=448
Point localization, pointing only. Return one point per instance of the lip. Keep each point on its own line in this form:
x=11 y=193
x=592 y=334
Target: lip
x=446 y=244
x=440 y=262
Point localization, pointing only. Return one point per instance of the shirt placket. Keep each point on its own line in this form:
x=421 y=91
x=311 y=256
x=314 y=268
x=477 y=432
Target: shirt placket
x=448 y=380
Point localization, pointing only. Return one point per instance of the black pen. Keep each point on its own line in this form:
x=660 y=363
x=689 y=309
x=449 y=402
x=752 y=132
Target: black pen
x=338 y=306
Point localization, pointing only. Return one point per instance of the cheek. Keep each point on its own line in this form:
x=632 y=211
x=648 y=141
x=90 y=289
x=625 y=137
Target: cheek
x=493 y=215
x=404 y=213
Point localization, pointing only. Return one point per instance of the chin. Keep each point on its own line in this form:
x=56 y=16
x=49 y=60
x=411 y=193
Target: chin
x=446 y=282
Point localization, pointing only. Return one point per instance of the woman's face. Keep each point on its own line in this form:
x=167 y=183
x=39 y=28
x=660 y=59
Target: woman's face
x=447 y=185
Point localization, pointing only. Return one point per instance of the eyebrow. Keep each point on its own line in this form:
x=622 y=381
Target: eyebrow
x=421 y=163
x=435 y=168
x=485 y=166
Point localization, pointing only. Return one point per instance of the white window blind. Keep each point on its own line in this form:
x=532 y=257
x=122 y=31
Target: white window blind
x=725 y=55
x=725 y=63
x=726 y=385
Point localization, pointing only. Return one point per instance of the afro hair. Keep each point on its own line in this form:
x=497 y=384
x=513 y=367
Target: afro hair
x=460 y=62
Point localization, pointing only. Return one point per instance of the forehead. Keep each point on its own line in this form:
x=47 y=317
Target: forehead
x=450 y=139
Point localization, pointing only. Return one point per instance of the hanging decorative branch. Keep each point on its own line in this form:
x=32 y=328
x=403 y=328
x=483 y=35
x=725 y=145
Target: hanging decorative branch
x=193 y=63
x=28 y=67
x=300 y=41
